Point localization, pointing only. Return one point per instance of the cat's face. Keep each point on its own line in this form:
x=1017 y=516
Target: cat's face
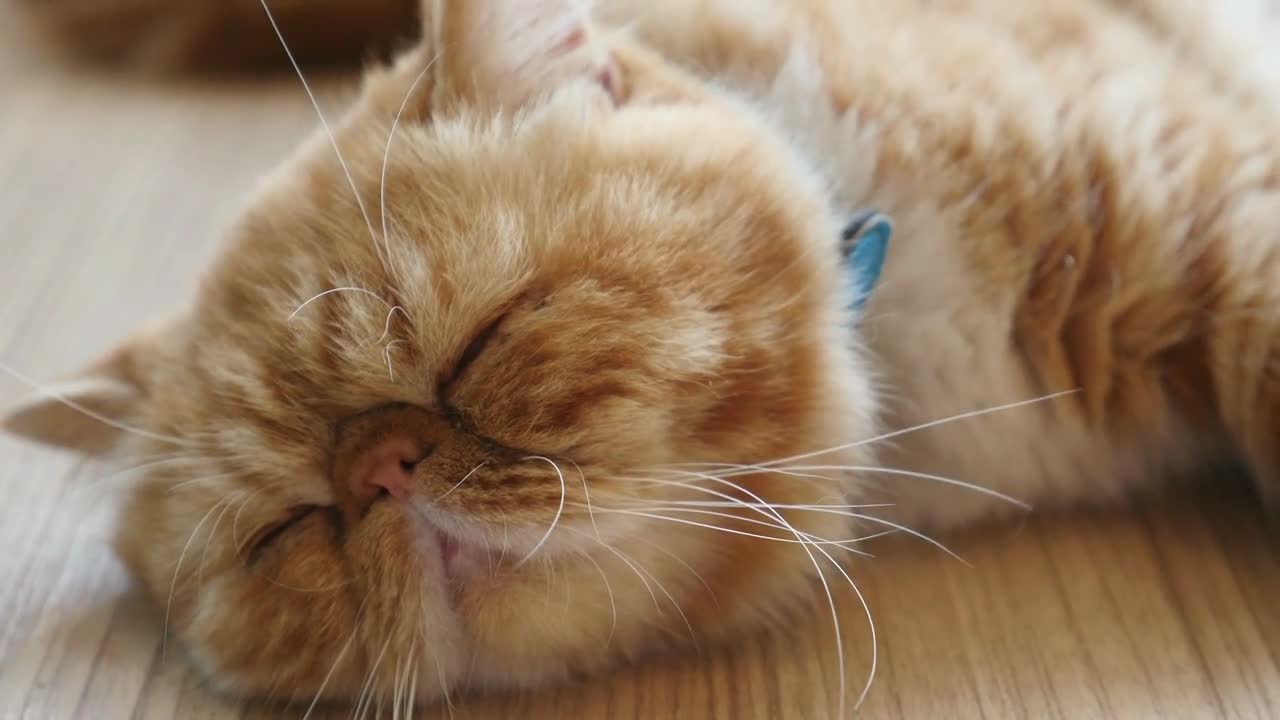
x=478 y=448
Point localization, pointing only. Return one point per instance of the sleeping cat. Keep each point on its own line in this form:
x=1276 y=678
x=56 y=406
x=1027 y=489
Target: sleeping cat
x=565 y=299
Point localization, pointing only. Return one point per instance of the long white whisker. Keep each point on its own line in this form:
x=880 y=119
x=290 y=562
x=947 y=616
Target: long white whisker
x=208 y=541
x=731 y=531
x=458 y=484
x=333 y=140
x=386 y=355
x=737 y=502
x=411 y=697
x=324 y=683
x=801 y=538
x=332 y=291
x=913 y=533
x=744 y=468
x=835 y=622
x=608 y=588
x=397 y=693
x=559 y=511
x=235 y=520
x=444 y=689
x=586 y=494
x=680 y=561
x=780 y=506
x=175 y=487
x=386 y=156
x=662 y=588
x=626 y=561
x=871 y=625
x=366 y=691
x=386 y=326
x=54 y=394
x=749 y=470
x=935 y=478
x=177 y=569
x=129 y=473
x=918 y=428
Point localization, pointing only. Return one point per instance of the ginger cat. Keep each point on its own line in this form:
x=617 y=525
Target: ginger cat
x=562 y=300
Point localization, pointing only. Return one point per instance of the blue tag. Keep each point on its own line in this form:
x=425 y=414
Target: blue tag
x=864 y=244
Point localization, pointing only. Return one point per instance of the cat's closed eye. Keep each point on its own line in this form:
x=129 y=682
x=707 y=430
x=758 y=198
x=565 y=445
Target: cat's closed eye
x=472 y=351
x=269 y=535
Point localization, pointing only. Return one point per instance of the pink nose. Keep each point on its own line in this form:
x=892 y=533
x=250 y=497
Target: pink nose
x=385 y=467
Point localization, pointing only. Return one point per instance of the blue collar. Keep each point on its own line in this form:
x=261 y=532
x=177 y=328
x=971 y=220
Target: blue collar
x=863 y=245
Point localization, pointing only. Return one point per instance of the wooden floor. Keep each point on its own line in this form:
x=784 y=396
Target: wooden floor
x=111 y=192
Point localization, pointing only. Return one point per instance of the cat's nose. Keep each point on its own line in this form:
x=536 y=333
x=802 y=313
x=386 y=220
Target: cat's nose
x=377 y=453
x=387 y=467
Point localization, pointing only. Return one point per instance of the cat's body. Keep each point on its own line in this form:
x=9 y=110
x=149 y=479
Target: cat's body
x=1083 y=194
x=1086 y=198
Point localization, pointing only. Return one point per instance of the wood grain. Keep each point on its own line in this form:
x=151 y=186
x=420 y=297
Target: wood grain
x=113 y=191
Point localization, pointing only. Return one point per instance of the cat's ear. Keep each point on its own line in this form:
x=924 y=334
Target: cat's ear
x=505 y=54
x=91 y=411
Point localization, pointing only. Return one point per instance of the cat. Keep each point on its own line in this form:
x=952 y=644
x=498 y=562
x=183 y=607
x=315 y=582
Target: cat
x=563 y=301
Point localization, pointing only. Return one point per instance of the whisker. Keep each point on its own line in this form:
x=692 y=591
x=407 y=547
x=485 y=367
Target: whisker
x=458 y=484
x=734 y=466
x=444 y=689
x=779 y=506
x=386 y=326
x=663 y=589
x=197 y=480
x=366 y=695
x=680 y=561
x=731 y=531
x=337 y=660
x=641 y=507
x=559 y=511
x=762 y=509
x=332 y=291
x=748 y=470
x=608 y=588
x=826 y=587
x=922 y=426
x=396 y=702
x=626 y=561
x=177 y=569
x=411 y=697
x=235 y=521
x=835 y=622
x=49 y=392
x=204 y=556
x=913 y=533
x=127 y=474
x=586 y=494
x=871 y=626
x=386 y=157
x=386 y=355
x=333 y=141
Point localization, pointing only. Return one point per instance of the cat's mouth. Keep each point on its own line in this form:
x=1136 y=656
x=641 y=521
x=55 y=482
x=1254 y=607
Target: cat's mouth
x=460 y=559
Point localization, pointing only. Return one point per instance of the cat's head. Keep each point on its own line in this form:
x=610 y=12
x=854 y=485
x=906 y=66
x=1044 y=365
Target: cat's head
x=482 y=402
